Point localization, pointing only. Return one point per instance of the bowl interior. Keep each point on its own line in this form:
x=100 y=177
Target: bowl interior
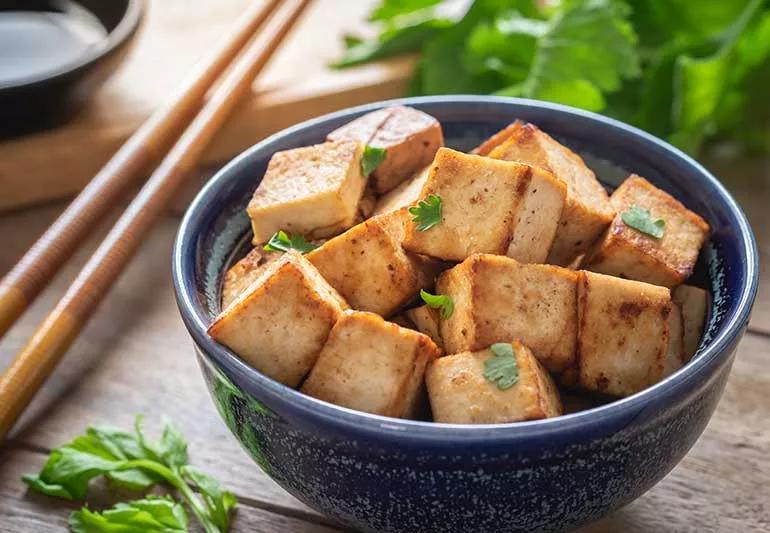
x=215 y=230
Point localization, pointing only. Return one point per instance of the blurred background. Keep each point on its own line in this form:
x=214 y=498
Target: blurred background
x=78 y=77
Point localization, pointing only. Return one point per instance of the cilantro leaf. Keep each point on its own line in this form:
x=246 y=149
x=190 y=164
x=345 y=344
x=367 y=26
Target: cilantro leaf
x=283 y=242
x=641 y=220
x=439 y=301
x=151 y=515
x=587 y=49
x=502 y=369
x=133 y=461
x=686 y=71
x=371 y=159
x=427 y=213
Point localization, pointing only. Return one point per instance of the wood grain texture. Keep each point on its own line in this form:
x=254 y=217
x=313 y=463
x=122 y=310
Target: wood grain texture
x=177 y=33
x=135 y=357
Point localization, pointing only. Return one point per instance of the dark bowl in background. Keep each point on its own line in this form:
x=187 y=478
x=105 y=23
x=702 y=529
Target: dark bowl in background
x=50 y=97
x=374 y=473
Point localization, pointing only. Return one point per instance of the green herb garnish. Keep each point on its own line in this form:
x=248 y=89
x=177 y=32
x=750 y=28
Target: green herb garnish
x=130 y=461
x=152 y=514
x=283 y=242
x=371 y=159
x=427 y=213
x=502 y=369
x=439 y=301
x=641 y=220
x=687 y=71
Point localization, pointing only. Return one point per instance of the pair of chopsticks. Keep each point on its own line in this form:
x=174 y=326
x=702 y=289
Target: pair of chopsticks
x=35 y=362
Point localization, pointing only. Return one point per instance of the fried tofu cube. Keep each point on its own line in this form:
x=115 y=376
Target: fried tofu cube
x=587 y=211
x=372 y=365
x=629 y=253
x=623 y=335
x=480 y=198
x=675 y=352
x=537 y=219
x=370 y=269
x=497 y=139
x=460 y=393
x=406 y=194
x=427 y=321
x=243 y=273
x=694 y=302
x=410 y=138
x=314 y=191
x=280 y=323
x=497 y=298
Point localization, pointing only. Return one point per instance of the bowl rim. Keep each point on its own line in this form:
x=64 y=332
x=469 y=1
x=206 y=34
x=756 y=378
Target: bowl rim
x=356 y=422
x=118 y=36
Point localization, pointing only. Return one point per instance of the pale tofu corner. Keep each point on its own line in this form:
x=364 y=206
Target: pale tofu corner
x=623 y=337
x=459 y=392
x=372 y=365
x=243 y=273
x=480 y=198
x=409 y=137
x=314 y=191
x=694 y=303
x=587 y=211
x=427 y=321
x=497 y=298
x=406 y=194
x=370 y=269
x=281 y=321
x=627 y=252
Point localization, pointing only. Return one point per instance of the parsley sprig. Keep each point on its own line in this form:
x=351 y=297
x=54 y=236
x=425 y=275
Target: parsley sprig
x=371 y=159
x=641 y=220
x=427 y=213
x=131 y=461
x=439 y=301
x=283 y=242
x=502 y=369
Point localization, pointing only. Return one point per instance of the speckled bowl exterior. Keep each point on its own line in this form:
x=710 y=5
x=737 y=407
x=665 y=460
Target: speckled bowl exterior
x=381 y=474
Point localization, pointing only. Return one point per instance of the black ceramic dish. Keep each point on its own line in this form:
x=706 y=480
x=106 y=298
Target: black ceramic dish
x=55 y=53
x=380 y=474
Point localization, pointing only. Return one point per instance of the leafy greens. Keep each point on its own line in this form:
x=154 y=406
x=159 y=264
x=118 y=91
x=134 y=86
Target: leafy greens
x=131 y=461
x=686 y=71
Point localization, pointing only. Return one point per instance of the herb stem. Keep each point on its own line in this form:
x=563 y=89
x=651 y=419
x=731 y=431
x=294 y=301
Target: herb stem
x=175 y=479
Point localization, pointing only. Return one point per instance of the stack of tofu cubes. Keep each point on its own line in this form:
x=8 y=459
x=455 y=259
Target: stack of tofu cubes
x=530 y=250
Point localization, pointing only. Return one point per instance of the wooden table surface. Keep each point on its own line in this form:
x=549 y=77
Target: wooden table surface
x=136 y=357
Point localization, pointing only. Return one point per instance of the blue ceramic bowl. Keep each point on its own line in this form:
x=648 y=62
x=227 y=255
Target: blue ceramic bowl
x=382 y=474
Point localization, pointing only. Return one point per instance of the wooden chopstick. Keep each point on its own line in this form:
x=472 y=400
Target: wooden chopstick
x=37 y=267
x=35 y=362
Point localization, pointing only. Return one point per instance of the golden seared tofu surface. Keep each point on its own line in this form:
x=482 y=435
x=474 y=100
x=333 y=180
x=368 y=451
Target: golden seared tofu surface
x=409 y=137
x=479 y=197
x=461 y=393
x=623 y=333
x=281 y=322
x=368 y=266
x=626 y=251
x=427 y=321
x=314 y=191
x=497 y=298
x=372 y=365
x=587 y=211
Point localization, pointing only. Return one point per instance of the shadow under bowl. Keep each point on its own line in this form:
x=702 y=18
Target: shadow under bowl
x=374 y=473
